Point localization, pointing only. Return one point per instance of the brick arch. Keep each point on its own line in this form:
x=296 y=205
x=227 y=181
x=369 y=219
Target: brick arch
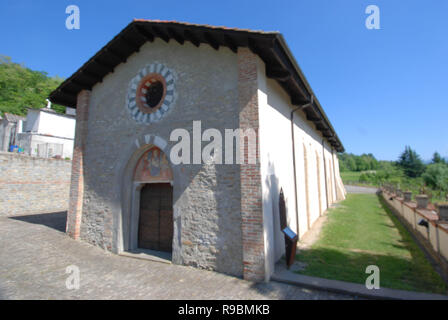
x=148 y=140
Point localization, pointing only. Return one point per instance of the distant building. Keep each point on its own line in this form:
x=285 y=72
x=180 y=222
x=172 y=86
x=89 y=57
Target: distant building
x=47 y=134
x=10 y=124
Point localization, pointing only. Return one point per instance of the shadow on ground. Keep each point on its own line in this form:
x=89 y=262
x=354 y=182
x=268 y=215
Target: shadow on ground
x=55 y=220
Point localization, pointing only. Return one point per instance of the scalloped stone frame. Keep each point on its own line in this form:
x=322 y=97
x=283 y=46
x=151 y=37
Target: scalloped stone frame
x=137 y=108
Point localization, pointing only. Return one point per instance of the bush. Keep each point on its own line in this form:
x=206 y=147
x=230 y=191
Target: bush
x=436 y=176
x=364 y=177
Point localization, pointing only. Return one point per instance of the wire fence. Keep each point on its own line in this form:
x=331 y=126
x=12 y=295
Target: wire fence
x=50 y=150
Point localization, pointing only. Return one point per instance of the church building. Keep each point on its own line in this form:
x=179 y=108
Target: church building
x=185 y=137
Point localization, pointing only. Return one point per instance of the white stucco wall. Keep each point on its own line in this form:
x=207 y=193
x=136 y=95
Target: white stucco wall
x=32 y=121
x=433 y=235
x=48 y=123
x=277 y=167
x=409 y=215
x=46 y=127
x=56 y=125
x=309 y=141
x=341 y=192
x=443 y=242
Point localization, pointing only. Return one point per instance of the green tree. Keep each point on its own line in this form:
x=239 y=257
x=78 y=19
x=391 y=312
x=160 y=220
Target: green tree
x=437 y=158
x=436 y=176
x=351 y=162
x=361 y=164
x=411 y=163
x=22 y=88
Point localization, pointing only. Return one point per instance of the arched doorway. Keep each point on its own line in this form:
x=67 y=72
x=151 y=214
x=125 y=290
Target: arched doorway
x=155 y=227
x=152 y=222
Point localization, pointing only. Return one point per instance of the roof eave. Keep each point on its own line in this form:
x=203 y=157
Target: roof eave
x=310 y=90
x=270 y=46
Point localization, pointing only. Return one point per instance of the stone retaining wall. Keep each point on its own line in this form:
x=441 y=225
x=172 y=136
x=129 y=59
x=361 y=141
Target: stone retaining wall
x=30 y=185
x=424 y=223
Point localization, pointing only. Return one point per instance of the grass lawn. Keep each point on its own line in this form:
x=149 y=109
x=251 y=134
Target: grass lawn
x=361 y=231
x=350 y=176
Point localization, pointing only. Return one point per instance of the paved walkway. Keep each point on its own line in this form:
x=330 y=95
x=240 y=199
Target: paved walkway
x=34 y=254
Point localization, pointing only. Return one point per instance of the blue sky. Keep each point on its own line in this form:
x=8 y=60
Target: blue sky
x=381 y=89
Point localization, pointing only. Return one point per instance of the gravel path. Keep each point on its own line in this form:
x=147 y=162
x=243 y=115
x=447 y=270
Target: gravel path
x=34 y=255
x=359 y=189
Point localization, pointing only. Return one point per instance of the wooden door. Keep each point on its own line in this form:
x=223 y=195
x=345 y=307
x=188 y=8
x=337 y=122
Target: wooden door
x=155 y=229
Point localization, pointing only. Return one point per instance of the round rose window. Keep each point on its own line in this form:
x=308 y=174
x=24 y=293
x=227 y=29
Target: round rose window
x=151 y=93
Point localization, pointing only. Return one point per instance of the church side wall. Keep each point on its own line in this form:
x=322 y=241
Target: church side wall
x=276 y=165
x=314 y=164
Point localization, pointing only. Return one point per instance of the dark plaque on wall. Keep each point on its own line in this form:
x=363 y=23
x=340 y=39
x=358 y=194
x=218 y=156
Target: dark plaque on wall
x=291 y=245
x=289 y=234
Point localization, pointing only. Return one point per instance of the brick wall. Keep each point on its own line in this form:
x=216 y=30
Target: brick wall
x=77 y=178
x=250 y=174
x=33 y=185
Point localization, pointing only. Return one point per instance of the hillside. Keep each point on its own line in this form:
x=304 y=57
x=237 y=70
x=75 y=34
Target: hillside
x=21 y=87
